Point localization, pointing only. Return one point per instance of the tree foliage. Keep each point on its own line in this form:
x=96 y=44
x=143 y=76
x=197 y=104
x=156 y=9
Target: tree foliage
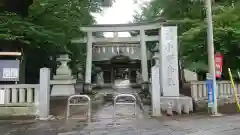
x=190 y=15
x=55 y=21
x=49 y=27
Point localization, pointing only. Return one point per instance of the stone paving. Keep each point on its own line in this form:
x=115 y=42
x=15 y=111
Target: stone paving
x=140 y=125
x=125 y=123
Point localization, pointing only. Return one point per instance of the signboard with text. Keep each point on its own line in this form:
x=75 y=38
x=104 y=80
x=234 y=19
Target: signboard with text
x=218 y=64
x=9 y=70
x=209 y=86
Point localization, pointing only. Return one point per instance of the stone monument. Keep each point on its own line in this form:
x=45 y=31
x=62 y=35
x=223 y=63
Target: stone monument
x=63 y=82
x=169 y=60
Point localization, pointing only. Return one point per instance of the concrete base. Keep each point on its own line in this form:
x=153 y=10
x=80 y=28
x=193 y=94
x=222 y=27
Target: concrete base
x=63 y=90
x=177 y=104
x=18 y=110
x=62 y=87
x=203 y=103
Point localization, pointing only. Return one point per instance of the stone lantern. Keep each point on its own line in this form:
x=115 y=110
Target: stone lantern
x=63 y=82
x=63 y=71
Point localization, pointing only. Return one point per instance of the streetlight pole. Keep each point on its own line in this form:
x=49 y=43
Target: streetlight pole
x=211 y=61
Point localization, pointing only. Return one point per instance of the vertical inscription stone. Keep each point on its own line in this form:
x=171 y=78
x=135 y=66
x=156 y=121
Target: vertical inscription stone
x=169 y=61
x=156 y=109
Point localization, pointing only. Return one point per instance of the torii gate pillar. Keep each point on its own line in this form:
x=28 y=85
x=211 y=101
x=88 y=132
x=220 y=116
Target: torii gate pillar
x=88 y=70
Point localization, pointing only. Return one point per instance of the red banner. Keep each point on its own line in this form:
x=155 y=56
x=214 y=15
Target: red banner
x=218 y=64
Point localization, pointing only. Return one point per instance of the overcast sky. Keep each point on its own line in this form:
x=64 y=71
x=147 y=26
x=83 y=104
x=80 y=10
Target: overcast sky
x=121 y=12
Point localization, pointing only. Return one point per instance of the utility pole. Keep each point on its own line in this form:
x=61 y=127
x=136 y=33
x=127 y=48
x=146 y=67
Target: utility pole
x=211 y=61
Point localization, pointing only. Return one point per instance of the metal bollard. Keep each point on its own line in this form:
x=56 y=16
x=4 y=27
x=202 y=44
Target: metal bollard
x=124 y=95
x=79 y=104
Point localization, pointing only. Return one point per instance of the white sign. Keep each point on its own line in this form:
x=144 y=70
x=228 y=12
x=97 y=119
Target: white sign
x=2 y=96
x=208 y=76
x=156 y=91
x=10 y=73
x=169 y=61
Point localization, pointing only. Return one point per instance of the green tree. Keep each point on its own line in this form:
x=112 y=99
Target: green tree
x=48 y=29
x=190 y=17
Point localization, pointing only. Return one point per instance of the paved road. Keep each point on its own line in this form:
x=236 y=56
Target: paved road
x=126 y=124
x=140 y=125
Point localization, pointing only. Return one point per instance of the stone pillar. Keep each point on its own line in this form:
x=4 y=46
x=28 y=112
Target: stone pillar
x=88 y=70
x=44 y=94
x=144 y=65
x=155 y=91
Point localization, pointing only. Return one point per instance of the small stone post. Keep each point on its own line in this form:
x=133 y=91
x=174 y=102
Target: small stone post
x=44 y=94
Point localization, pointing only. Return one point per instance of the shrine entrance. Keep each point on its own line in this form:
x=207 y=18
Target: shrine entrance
x=102 y=52
x=118 y=62
x=122 y=70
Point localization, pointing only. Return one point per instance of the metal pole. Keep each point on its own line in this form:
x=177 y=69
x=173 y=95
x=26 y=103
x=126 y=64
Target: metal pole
x=211 y=62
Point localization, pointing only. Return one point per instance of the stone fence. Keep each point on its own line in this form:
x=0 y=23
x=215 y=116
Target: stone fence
x=19 y=99
x=27 y=99
x=199 y=91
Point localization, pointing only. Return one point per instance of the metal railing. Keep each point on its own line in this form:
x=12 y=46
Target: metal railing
x=140 y=102
x=79 y=104
x=134 y=103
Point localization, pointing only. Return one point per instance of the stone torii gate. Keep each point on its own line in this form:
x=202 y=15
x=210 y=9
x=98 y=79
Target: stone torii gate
x=168 y=59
